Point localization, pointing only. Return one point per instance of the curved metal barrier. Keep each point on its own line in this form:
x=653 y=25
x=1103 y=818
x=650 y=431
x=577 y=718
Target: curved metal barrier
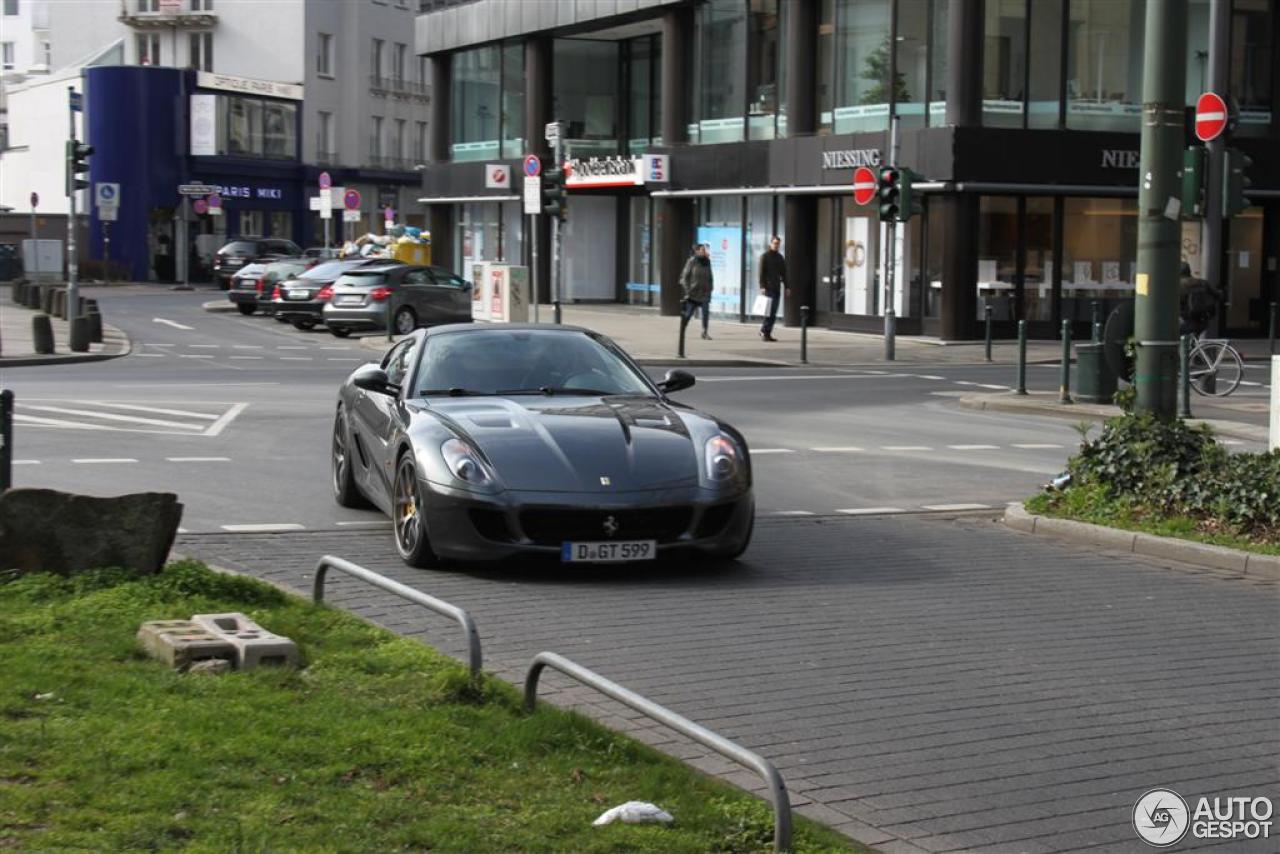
x=415 y=596
x=700 y=734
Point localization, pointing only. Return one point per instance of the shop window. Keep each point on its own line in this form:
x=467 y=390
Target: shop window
x=721 y=71
x=1104 y=64
x=1252 y=55
x=760 y=230
x=585 y=97
x=642 y=285
x=282 y=224
x=1044 y=72
x=1038 y=259
x=720 y=227
x=251 y=224
x=935 y=257
x=1004 y=66
x=1246 y=309
x=513 y=100
x=863 y=85
x=764 y=62
x=1100 y=239
x=997 y=257
x=476 y=89
x=279 y=130
x=375 y=62
x=912 y=61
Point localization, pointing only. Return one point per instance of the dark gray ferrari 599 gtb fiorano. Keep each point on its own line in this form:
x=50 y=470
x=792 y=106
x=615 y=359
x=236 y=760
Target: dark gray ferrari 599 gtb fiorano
x=489 y=442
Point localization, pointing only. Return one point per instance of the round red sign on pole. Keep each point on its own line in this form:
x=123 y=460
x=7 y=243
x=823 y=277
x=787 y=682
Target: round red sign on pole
x=1211 y=116
x=864 y=185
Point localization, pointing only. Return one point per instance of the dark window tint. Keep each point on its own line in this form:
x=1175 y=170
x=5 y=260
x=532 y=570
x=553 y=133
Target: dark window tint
x=327 y=272
x=444 y=277
x=358 y=279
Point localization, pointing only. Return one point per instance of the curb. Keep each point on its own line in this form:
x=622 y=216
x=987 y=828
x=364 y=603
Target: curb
x=219 y=306
x=1008 y=402
x=110 y=336
x=1247 y=564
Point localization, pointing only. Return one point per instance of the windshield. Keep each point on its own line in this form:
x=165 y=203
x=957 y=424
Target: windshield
x=524 y=361
x=326 y=272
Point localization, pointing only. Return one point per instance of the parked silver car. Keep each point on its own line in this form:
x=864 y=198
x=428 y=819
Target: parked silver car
x=411 y=296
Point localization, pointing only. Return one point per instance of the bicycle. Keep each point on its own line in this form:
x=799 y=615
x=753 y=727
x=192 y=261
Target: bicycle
x=1215 y=367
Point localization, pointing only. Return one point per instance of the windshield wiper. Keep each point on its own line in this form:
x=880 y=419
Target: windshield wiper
x=451 y=392
x=550 y=390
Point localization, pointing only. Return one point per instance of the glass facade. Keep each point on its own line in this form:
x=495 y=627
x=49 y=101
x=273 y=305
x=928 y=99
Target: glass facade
x=1104 y=64
x=1044 y=73
x=912 y=61
x=863 y=88
x=1004 y=63
x=1100 y=262
x=721 y=72
x=477 y=104
x=642 y=283
x=513 y=100
x=587 y=80
x=252 y=127
x=764 y=62
x=644 y=88
x=1252 y=55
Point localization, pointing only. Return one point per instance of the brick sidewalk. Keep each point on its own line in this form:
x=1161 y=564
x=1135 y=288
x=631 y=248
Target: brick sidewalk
x=955 y=686
x=16 y=340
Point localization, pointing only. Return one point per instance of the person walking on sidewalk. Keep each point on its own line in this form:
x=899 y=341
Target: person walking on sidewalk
x=696 y=281
x=773 y=278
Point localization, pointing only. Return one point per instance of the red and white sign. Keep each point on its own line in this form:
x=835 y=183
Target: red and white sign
x=864 y=185
x=497 y=176
x=326 y=182
x=1211 y=116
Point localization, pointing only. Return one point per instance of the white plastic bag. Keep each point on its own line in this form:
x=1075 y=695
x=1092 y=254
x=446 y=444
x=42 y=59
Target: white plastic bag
x=634 y=812
x=760 y=307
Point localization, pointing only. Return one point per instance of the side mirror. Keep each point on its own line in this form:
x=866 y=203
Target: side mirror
x=373 y=378
x=676 y=380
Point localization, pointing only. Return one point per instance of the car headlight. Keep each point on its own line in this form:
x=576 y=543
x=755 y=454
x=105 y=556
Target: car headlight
x=465 y=463
x=722 y=459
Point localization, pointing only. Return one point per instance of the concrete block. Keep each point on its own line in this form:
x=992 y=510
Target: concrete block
x=1017 y=517
x=1263 y=566
x=182 y=643
x=1202 y=554
x=254 y=645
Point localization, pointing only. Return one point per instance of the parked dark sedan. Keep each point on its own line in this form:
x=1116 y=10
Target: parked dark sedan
x=301 y=301
x=246 y=250
x=253 y=293
x=411 y=296
x=487 y=442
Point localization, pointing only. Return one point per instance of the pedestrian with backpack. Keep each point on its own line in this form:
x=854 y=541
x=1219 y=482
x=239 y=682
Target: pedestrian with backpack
x=1198 y=302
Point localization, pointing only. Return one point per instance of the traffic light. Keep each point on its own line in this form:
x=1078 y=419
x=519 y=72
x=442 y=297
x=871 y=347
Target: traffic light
x=77 y=162
x=890 y=193
x=1235 y=181
x=908 y=203
x=554 y=202
x=1193 y=160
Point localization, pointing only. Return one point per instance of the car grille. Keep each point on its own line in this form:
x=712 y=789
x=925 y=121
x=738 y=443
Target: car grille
x=714 y=519
x=547 y=527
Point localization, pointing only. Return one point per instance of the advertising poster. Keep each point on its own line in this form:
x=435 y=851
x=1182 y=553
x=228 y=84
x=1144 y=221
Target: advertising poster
x=726 y=266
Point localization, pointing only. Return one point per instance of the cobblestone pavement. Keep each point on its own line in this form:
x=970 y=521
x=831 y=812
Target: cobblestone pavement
x=922 y=683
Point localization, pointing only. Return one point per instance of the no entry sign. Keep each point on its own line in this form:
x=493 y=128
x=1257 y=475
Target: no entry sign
x=864 y=185
x=1211 y=116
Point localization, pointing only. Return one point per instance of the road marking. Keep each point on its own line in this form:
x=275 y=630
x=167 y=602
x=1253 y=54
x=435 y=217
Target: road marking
x=772 y=451
x=227 y=417
x=954 y=507
x=96 y=460
x=150 y=355
x=246 y=346
x=905 y=448
x=965 y=382
x=26 y=462
x=1251 y=383
x=156 y=344
x=929 y=377
x=289 y=347
x=243 y=358
x=344 y=349
x=187 y=386
x=171 y=323
x=263 y=529
x=295 y=358
x=801 y=377
x=339 y=359
x=1037 y=446
x=198 y=459
x=55 y=422
x=206 y=346
x=195 y=355
x=155 y=409
x=363 y=523
x=996 y=387
x=836 y=450
x=792 y=513
x=974 y=447
x=870 y=511
x=110 y=416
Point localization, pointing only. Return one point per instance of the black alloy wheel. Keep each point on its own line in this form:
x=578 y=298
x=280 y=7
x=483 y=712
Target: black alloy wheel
x=340 y=331
x=405 y=321
x=246 y=308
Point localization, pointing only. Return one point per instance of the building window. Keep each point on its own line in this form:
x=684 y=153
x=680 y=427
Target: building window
x=863 y=88
x=1251 y=64
x=420 y=143
x=586 y=75
x=424 y=73
x=375 y=141
x=375 y=61
x=644 y=63
x=148 y=49
x=721 y=72
x=1104 y=64
x=6 y=55
x=1100 y=239
x=201 y=5
x=477 y=85
x=202 y=51
x=1004 y=66
x=251 y=127
x=938 y=70
x=1044 y=72
x=325 y=150
x=11 y=7
x=324 y=56
x=145 y=6
x=397 y=72
x=398 y=141
x=764 y=66
x=46 y=50
x=911 y=62
x=513 y=99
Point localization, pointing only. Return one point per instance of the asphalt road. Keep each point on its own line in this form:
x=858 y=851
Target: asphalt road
x=234 y=414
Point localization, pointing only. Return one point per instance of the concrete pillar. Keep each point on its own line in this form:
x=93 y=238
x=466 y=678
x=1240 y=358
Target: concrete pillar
x=965 y=20
x=801 y=53
x=438 y=115
x=677 y=34
x=539 y=69
x=958 y=313
x=801 y=252
x=674 y=219
x=440 y=221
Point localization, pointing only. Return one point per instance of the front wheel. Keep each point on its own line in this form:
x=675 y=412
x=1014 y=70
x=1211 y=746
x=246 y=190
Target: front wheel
x=407 y=516
x=1216 y=369
x=246 y=308
x=405 y=321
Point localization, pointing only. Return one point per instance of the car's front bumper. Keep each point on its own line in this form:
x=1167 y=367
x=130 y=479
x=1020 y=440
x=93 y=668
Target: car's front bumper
x=475 y=527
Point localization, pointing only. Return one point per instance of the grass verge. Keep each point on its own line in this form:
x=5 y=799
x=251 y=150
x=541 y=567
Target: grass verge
x=378 y=743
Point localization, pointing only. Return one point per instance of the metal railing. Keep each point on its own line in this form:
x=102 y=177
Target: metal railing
x=417 y=597
x=700 y=734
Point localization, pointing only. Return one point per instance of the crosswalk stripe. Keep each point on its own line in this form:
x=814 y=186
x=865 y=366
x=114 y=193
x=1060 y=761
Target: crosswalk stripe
x=206 y=346
x=954 y=507
x=154 y=409
x=974 y=447
x=793 y=513
x=96 y=460
x=26 y=462
x=246 y=346
x=150 y=355
x=198 y=459
x=195 y=355
x=929 y=377
x=110 y=416
x=247 y=357
x=362 y=523
x=870 y=511
x=995 y=387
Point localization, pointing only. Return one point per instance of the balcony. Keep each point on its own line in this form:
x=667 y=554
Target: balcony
x=171 y=15
x=326 y=158
x=383 y=86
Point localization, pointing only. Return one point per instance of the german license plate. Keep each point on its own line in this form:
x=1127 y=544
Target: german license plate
x=349 y=300
x=621 y=551
x=298 y=294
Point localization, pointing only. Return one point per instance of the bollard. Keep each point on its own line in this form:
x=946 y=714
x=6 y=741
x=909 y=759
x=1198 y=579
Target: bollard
x=1022 y=357
x=80 y=334
x=1271 y=335
x=46 y=299
x=6 y=439
x=1095 y=320
x=34 y=297
x=1184 y=376
x=804 y=334
x=60 y=304
x=986 y=310
x=391 y=319
x=556 y=305
x=1065 y=381
x=17 y=292
x=42 y=334
x=684 y=324
x=95 y=327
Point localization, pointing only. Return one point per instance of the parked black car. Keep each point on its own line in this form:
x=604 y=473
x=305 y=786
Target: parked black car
x=246 y=250
x=253 y=293
x=301 y=301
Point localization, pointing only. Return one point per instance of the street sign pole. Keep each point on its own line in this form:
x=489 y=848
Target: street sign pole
x=533 y=234
x=106 y=251
x=73 y=290
x=890 y=261
x=1159 y=228
x=1211 y=238
x=558 y=236
x=34 y=262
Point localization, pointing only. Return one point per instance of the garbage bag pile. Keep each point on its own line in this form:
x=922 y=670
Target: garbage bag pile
x=384 y=245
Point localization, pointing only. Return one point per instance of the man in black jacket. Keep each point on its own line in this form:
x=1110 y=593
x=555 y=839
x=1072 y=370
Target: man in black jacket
x=773 y=277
